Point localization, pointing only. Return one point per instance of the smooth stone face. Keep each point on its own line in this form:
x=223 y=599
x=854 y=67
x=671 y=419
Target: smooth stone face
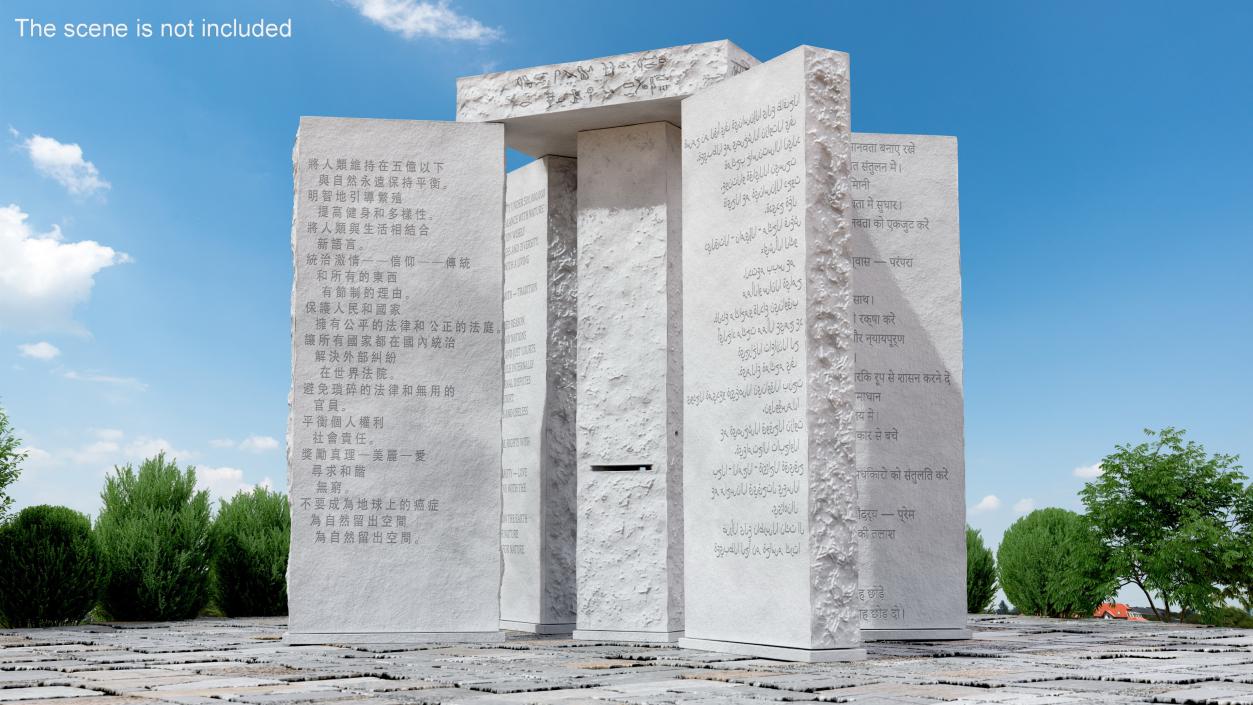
x=394 y=434
x=538 y=477
x=545 y=107
x=770 y=486
x=907 y=322
x=630 y=384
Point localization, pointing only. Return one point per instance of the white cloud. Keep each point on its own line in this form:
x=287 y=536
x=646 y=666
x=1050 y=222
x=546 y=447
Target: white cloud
x=108 y=434
x=43 y=278
x=225 y=482
x=43 y=350
x=145 y=447
x=989 y=503
x=222 y=482
x=258 y=444
x=65 y=163
x=252 y=444
x=35 y=455
x=1024 y=506
x=130 y=382
x=420 y=18
x=94 y=453
x=1088 y=472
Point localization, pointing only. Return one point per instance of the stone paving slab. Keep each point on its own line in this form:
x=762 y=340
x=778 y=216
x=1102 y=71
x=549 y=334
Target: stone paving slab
x=44 y=693
x=1016 y=660
x=1215 y=693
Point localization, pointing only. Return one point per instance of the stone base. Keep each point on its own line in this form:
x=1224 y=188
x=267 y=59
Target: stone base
x=615 y=635
x=533 y=628
x=378 y=638
x=779 y=653
x=949 y=634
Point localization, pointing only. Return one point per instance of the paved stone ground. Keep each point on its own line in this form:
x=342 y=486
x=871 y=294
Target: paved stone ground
x=1010 y=660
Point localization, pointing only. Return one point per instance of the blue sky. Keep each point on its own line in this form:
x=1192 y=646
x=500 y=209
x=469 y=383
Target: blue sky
x=1106 y=202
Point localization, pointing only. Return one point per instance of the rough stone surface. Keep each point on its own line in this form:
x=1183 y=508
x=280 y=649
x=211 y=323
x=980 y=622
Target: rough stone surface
x=770 y=483
x=1009 y=660
x=394 y=432
x=629 y=384
x=907 y=306
x=545 y=107
x=538 y=455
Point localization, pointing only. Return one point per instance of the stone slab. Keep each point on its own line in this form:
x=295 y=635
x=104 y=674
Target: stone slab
x=218 y=683
x=538 y=449
x=647 y=637
x=781 y=653
x=47 y=692
x=391 y=638
x=630 y=382
x=12 y=676
x=543 y=108
x=394 y=433
x=1210 y=693
x=770 y=489
x=908 y=417
x=537 y=628
x=915 y=634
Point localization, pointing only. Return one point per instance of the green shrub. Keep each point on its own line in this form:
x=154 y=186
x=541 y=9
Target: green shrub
x=49 y=568
x=1224 y=616
x=154 y=536
x=980 y=573
x=1051 y=564
x=250 y=539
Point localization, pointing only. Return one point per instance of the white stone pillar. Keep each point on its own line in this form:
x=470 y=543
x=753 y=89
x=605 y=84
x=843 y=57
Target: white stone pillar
x=770 y=483
x=393 y=441
x=630 y=526
x=907 y=346
x=538 y=480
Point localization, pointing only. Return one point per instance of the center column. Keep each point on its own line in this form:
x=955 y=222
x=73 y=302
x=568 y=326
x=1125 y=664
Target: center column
x=630 y=385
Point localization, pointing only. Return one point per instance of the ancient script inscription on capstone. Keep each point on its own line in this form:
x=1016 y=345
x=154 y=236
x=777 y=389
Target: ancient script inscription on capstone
x=394 y=433
x=673 y=72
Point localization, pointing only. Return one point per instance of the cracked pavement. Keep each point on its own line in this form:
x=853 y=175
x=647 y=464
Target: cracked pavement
x=1020 y=660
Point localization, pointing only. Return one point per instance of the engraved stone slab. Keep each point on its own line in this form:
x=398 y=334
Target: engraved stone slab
x=538 y=479
x=907 y=345
x=544 y=107
x=770 y=491
x=629 y=385
x=394 y=432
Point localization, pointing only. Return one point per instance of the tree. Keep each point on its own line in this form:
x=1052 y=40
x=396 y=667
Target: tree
x=154 y=537
x=1169 y=517
x=1050 y=564
x=980 y=573
x=1002 y=608
x=11 y=456
x=251 y=536
x=1240 y=583
x=49 y=568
